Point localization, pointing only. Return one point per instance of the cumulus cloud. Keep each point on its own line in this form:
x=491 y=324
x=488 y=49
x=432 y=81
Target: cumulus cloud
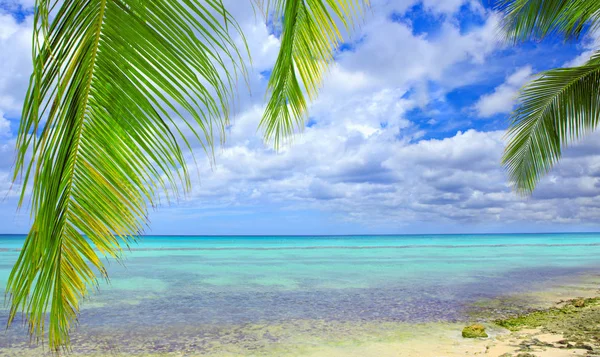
x=15 y=5
x=590 y=45
x=421 y=58
x=4 y=126
x=502 y=99
x=375 y=180
x=15 y=59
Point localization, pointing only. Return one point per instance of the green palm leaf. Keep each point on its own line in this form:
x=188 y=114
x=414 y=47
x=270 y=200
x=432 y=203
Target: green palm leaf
x=114 y=84
x=561 y=106
x=527 y=19
x=309 y=38
x=110 y=80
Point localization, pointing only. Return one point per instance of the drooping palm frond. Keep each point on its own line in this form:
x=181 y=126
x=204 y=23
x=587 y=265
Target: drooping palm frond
x=111 y=79
x=535 y=19
x=557 y=108
x=561 y=105
x=310 y=35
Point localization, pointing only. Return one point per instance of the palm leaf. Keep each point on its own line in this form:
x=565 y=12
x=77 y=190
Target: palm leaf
x=310 y=35
x=527 y=19
x=559 y=107
x=111 y=79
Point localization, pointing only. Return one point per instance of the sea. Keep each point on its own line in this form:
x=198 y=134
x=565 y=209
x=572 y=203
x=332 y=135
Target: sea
x=245 y=293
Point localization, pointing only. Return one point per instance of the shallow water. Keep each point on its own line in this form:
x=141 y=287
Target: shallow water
x=207 y=294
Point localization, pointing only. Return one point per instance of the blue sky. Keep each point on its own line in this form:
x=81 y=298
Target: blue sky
x=406 y=136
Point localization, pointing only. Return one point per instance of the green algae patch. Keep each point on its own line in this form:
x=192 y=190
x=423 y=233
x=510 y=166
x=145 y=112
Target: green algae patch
x=570 y=311
x=576 y=320
x=474 y=331
x=531 y=320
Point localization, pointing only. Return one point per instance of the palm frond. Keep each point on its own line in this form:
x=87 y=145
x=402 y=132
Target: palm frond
x=559 y=107
x=527 y=19
x=310 y=35
x=111 y=79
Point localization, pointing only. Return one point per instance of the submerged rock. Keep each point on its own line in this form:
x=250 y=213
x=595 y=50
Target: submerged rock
x=474 y=331
x=584 y=347
x=579 y=302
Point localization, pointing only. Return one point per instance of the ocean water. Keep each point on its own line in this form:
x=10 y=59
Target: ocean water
x=207 y=294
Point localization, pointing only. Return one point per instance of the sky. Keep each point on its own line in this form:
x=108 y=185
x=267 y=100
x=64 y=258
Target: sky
x=405 y=137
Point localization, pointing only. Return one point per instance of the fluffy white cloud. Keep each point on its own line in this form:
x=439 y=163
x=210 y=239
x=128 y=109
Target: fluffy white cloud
x=15 y=62
x=4 y=126
x=502 y=100
x=451 y=6
x=13 y=5
x=362 y=160
x=375 y=180
x=590 y=45
x=400 y=57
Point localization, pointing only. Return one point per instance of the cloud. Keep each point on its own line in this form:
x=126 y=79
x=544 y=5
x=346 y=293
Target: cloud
x=422 y=57
x=15 y=58
x=16 y=5
x=503 y=98
x=449 y=7
x=590 y=46
x=4 y=126
x=364 y=161
x=376 y=181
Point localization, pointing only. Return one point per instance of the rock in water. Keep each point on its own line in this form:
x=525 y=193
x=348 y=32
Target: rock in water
x=474 y=331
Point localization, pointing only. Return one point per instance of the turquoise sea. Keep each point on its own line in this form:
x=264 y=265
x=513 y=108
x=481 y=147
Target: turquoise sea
x=203 y=293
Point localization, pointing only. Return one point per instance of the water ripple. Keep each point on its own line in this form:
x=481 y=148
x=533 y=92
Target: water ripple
x=421 y=246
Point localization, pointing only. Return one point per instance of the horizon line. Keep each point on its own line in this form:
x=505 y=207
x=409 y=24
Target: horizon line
x=335 y=235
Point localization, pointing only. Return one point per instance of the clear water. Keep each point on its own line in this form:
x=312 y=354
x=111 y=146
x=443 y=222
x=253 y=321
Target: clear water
x=202 y=286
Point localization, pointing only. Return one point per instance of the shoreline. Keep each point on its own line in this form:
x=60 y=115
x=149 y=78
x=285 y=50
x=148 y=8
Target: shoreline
x=563 y=320
x=553 y=335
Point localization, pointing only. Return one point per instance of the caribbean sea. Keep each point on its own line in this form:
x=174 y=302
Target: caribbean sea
x=204 y=292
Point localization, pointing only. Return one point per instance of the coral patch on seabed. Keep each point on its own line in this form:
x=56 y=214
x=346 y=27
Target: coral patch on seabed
x=474 y=331
x=571 y=328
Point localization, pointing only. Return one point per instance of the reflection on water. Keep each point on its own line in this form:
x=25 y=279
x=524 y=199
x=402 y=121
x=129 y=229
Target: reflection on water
x=203 y=296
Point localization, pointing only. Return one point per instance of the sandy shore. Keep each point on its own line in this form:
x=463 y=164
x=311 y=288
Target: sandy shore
x=557 y=325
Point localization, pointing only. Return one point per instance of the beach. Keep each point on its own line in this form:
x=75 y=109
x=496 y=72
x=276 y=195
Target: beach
x=290 y=178
x=329 y=296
